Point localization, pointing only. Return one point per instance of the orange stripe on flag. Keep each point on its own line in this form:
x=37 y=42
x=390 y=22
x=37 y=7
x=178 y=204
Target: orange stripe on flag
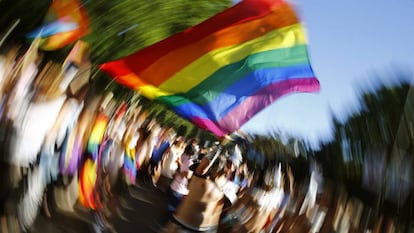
x=164 y=68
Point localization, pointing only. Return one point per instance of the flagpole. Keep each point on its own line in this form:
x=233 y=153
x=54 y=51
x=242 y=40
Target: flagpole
x=9 y=31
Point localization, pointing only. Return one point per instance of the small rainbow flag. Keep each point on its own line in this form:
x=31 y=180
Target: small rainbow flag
x=87 y=182
x=220 y=73
x=129 y=167
x=66 y=21
x=89 y=171
x=97 y=135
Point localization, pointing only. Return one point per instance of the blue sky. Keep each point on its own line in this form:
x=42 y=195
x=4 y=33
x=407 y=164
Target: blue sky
x=348 y=40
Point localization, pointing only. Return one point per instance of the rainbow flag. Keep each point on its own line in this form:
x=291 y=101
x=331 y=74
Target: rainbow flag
x=89 y=171
x=220 y=73
x=97 y=135
x=87 y=181
x=129 y=167
x=66 y=21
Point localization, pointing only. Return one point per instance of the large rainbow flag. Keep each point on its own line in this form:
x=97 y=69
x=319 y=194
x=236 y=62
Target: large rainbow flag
x=220 y=73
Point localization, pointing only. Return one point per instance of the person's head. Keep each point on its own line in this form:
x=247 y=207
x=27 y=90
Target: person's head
x=193 y=141
x=179 y=141
x=152 y=124
x=271 y=178
x=190 y=150
x=203 y=152
x=165 y=133
x=219 y=167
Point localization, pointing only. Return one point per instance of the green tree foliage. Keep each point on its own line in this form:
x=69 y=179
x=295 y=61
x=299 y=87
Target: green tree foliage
x=121 y=27
x=380 y=128
x=276 y=148
x=376 y=123
x=118 y=27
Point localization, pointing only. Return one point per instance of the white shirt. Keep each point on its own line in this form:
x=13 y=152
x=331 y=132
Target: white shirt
x=170 y=164
x=31 y=132
x=180 y=183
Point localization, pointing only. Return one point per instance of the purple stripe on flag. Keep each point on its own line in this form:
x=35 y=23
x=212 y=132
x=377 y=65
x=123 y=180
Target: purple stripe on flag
x=209 y=125
x=264 y=97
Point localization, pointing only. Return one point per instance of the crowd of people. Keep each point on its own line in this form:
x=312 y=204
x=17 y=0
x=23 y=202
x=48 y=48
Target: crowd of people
x=224 y=195
x=87 y=147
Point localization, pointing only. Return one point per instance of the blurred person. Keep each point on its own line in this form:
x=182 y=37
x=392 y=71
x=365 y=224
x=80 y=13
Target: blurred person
x=113 y=161
x=179 y=186
x=200 y=211
x=161 y=148
x=151 y=134
x=51 y=161
x=240 y=175
x=258 y=206
x=203 y=151
x=170 y=161
x=142 y=146
x=326 y=210
x=66 y=193
x=32 y=112
x=195 y=143
x=129 y=165
x=288 y=218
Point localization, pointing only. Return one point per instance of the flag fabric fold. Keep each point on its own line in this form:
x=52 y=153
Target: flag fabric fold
x=221 y=72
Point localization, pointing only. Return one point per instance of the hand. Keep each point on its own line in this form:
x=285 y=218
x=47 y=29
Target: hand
x=225 y=139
